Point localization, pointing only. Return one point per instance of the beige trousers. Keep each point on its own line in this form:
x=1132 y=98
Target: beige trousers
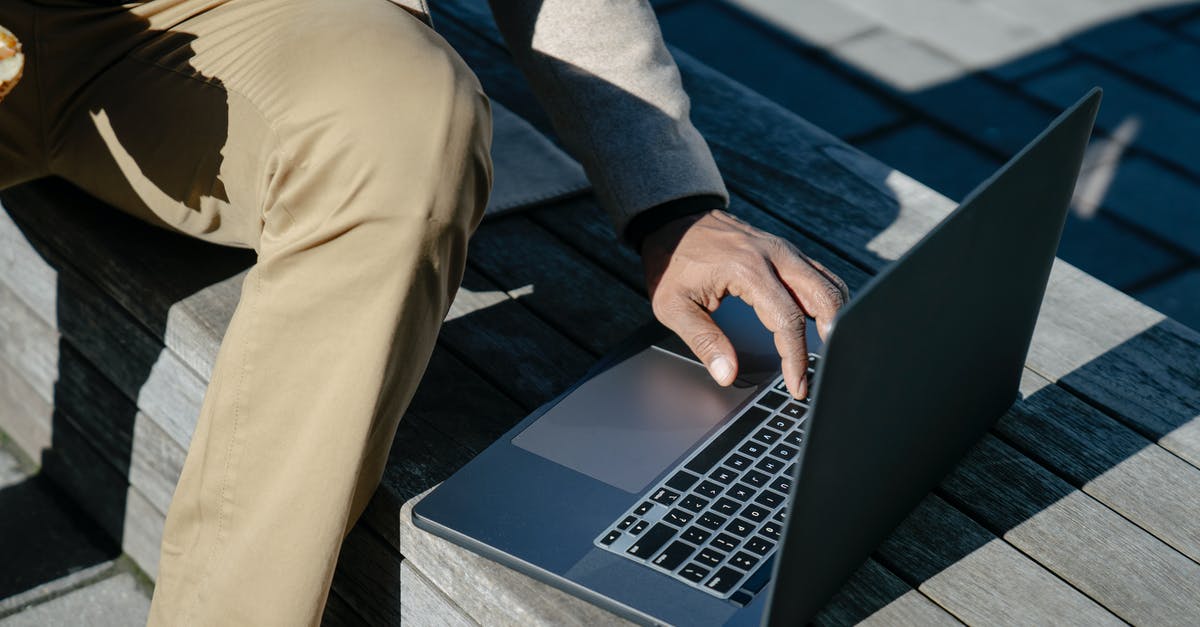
x=347 y=144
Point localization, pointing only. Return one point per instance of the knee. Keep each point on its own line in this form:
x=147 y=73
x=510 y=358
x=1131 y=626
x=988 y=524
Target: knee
x=396 y=131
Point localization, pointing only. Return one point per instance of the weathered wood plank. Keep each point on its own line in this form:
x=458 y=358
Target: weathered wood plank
x=422 y=604
x=368 y=577
x=875 y=596
x=87 y=477
x=1107 y=460
x=1130 y=572
x=943 y=549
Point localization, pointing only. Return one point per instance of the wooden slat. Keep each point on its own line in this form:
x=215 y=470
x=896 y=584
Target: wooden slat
x=943 y=549
x=423 y=605
x=1127 y=570
x=1107 y=460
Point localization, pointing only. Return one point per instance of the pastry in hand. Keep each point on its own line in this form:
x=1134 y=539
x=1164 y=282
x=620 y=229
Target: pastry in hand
x=12 y=62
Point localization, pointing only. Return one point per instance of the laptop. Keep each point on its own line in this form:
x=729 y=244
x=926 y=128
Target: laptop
x=652 y=492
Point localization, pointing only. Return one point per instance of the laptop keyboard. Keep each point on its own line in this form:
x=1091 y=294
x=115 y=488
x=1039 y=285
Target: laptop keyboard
x=714 y=523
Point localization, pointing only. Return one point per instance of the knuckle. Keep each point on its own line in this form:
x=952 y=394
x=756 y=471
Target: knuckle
x=833 y=295
x=705 y=343
x=792 y=320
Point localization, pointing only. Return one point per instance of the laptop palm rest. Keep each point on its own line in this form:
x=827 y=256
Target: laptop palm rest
x=628 y=424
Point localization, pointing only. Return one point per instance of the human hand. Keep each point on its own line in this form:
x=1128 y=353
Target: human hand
x=695 y=261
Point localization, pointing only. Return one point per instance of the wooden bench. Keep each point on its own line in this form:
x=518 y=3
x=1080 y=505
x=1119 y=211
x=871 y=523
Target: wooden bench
x=1082 y=506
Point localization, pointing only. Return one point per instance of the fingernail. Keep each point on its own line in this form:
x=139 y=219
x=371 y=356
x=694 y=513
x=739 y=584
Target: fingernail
x=826 y=328
x=721 y=369
x=802 y=389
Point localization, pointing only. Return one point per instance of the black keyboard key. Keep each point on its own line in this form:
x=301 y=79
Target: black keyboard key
x=794 y=438
x=769 y=465
x=784 y=452
x=725 y=542
x=711 y=520
x=794 y=410
x=782 y=484
x=643 y=508
x=729 y=438
x=696 y=535
x=693 y=503
x=671 y=558
x=629 y=520
x=682 y=481
x=791 y=471
x=772 y=399
x=740 y=527
x=652 y=541
x=610 y=538
x=769 y=498
x=755 y=478
x=723 y=475
x=771 y=530
x=741 y=492
x=755 y=513
x=753 y=449
x=710 y=557
x=677 y=517
x=781 y=423
x=738 y=462
x=743 y=560
x=724 y=581
x=694 y=572
x=766 y=436
x=759 y=545
x=664 y=496
x=709 y=489
x=639 y=527
x=726 y=507
x=781 y=515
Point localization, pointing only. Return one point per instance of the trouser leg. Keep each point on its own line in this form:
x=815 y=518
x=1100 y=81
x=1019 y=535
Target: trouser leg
x=347 y=144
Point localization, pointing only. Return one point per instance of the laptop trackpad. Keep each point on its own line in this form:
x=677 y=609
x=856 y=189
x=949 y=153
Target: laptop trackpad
x=628 y=424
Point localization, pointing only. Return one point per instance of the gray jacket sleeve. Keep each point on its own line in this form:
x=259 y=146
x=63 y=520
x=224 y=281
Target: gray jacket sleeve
x=615 y=97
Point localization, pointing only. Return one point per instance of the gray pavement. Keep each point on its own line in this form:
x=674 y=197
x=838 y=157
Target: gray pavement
x=946 y=90
x=58 y=570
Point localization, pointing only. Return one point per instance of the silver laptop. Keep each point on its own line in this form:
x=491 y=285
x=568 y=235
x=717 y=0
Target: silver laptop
x=652 y=492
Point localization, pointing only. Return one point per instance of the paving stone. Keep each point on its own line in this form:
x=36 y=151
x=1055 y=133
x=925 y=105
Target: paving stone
x=1063 y=17
x=984 y=111
x=717 y=36
x=1191 y=28
x=1177 y=297
x=114 y=602
x=1174 y=66
x=932 y=157
x=1158 y=200
x=1031 y=63
x=1182 y=11
x=1112 y=253
x=898 y=62
x=43 y=536
x=1164 y=126
x=1119 y=38
x=975 y=34
x=817 y=22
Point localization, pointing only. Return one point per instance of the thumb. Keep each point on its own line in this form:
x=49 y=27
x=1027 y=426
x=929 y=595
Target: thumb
x=696 y=328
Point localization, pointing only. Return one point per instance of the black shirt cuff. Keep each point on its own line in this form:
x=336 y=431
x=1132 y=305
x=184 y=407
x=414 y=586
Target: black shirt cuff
x=650 y=220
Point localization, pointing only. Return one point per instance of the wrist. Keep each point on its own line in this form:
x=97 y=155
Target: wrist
x=655 y=218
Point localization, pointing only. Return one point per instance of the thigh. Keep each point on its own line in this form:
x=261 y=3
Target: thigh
x=22 y=155
x=200 y=123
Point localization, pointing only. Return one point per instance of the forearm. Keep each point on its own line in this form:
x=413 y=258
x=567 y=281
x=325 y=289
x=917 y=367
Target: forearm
x=615 y=97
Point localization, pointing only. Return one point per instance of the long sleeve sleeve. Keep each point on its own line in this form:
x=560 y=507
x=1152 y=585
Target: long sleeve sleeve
x=615 y=97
